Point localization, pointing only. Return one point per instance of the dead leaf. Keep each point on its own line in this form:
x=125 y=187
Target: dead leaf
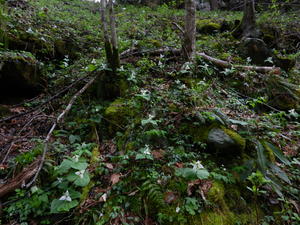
x=109 y=166
x=115 y=178
x=170 y=197
x=158 y=154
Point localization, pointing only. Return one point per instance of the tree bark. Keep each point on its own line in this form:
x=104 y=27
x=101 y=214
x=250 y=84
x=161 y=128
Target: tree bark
x=247 y=28
x=114 y=38
x=189 y=41
x=214 y=5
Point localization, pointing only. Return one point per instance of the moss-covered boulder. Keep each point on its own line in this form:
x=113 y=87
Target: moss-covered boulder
x=207 y=26
x=119 y=113
x=222 y=139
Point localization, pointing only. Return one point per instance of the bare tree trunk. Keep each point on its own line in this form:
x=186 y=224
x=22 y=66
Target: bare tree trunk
x=189 y=41
x=247 y=27
x=107 y=43
x=214 y=5
x=108 y=84
x=114 y=37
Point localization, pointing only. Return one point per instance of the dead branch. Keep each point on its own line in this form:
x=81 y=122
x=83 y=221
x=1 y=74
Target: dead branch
x=152 y=52
x=225 y=64
x=20 y=179
x=178 y=27
x=58 y=120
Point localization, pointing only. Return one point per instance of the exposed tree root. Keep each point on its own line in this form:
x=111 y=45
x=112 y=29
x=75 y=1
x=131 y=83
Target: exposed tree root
x=20 y=179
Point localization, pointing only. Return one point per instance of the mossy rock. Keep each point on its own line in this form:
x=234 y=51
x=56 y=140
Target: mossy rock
x=223 y=139
x=207 y=26
x=118 y=113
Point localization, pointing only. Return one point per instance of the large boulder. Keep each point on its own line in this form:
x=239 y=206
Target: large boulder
x=222 y=139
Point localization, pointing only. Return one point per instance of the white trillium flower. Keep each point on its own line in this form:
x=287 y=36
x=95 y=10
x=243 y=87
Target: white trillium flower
x=197 y=165
x=59 y=179
x=80 y=173
x=76 y=158
x=66 y=197
x=147 y=150
x=177 y=209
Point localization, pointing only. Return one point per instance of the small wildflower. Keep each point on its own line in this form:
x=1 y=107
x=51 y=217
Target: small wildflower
x=177 y=209
x=197 y=165
x=66 y=197
x=80 y=173
x=147 y=150
x=76 y=158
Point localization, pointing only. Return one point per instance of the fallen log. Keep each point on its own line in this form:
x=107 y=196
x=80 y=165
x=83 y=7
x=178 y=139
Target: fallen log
x=226 y=64
x=20 y=179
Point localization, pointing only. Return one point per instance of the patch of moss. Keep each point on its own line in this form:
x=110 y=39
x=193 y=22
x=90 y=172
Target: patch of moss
x=4 y=111
x=118 y=113
x=240 y=141
x=207 y=26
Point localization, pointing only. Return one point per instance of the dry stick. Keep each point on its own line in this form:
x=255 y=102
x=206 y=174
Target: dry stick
x=154 y=52
x=64 y=112
x=44 y=103
x=225 y=64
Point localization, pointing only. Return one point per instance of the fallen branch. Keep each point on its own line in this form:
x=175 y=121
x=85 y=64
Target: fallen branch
x=20 y=179
x=225 y=64
x=155 y=52
x=58 y=120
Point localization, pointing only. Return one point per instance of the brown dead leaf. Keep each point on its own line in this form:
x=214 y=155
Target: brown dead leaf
x=158 y=154
x=170 y=197
x=179 y=165
x=115 y=178
x=109 y=166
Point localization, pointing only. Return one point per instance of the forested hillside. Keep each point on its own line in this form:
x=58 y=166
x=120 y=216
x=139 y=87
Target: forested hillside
x=150 y=112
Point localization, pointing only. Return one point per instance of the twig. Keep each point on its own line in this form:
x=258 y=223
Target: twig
x=59 y=118
x=178 y=27
x=154 y=52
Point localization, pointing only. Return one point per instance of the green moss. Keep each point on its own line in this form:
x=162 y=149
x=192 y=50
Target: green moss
x=216 y=195
x=118 y=113
x=207 y=26
x=240 y=141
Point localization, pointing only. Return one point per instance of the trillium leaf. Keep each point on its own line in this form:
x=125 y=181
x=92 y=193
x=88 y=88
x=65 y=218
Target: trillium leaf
x=192 y=174
x=62 y=205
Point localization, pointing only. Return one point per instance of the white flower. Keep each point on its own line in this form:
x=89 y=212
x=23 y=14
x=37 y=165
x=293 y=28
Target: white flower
x=94 y=61
x=177 y=209
x=76 y=158
x=197 y=165
x=147 y=150
x=80 y=173
x=59 y=179
x=66 y=197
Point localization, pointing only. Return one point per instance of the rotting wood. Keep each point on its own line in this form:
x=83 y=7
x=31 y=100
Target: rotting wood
x=20 y=179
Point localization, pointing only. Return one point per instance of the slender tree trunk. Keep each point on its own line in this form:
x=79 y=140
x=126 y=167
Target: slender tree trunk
x=247 y=27
x=214 y=5
x=189 y=41
x=109 y=84
x=114 y=38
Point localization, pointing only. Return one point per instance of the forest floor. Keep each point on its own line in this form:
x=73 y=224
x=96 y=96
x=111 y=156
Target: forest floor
x=185 y=143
